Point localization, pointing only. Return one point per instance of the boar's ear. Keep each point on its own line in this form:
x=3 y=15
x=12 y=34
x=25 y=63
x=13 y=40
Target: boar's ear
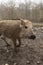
x=21 y=23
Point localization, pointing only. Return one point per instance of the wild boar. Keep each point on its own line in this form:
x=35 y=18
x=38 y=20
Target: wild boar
x=15 y=30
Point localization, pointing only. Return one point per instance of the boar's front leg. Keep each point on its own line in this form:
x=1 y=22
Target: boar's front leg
x=19 y=41
x=14 y=41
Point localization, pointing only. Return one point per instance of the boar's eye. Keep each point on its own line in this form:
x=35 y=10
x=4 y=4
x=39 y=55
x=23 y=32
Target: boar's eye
x=26 y=27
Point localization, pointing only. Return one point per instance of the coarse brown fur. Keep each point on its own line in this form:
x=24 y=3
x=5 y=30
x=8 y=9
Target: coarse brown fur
x=14 y=29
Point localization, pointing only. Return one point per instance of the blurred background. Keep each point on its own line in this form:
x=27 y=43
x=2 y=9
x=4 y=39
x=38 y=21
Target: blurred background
x=17 y=9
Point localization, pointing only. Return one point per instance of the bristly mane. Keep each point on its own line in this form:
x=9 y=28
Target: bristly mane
x=16 y=19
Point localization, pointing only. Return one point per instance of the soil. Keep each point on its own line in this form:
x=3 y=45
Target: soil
x=29 y=53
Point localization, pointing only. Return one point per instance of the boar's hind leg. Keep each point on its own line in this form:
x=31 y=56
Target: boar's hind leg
x=3 y=38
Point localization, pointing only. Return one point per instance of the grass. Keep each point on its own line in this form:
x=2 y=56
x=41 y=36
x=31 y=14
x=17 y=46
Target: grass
x=38 y=24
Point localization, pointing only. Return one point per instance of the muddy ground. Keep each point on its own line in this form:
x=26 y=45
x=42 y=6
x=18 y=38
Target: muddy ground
x=30 y=52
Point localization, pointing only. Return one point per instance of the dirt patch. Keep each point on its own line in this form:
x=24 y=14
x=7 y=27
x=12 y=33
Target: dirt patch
x=30 y=52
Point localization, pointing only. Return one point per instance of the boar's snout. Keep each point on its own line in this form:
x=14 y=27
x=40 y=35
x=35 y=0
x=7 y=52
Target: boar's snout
x=32 y=37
